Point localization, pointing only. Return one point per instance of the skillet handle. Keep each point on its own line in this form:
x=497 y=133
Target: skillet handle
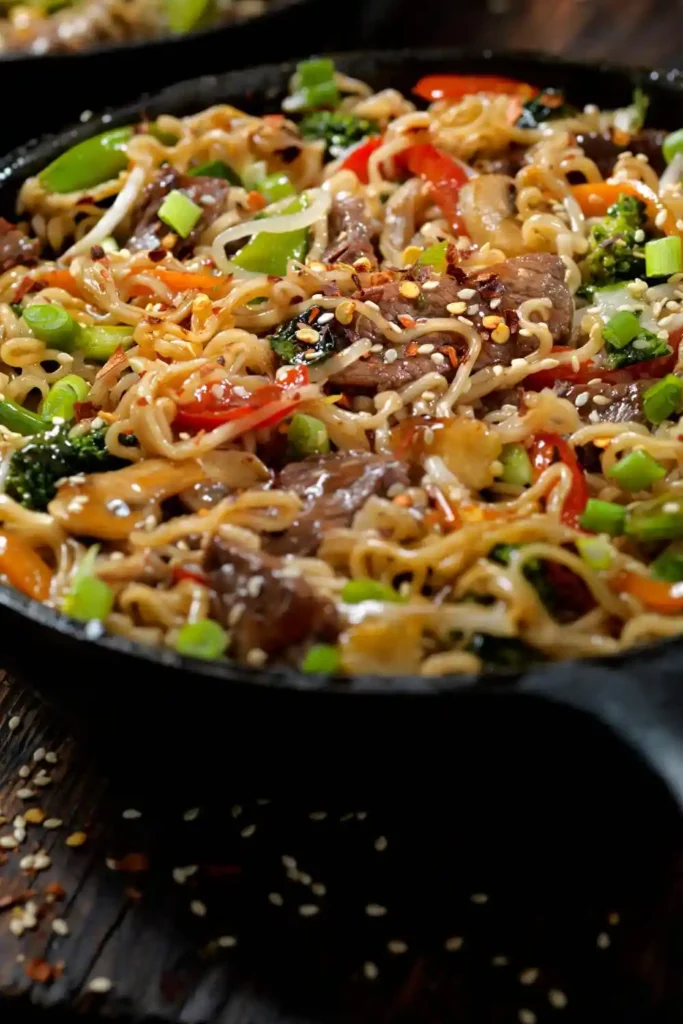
x=641 y=702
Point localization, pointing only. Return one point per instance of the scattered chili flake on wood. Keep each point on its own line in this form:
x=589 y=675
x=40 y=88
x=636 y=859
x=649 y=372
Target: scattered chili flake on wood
x=132 y=894
x=221 y=870
x=132 y=863
x=56 y=890
x=40 y=971
x=13 y=900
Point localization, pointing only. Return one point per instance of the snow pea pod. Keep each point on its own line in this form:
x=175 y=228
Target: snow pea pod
x=88 y=163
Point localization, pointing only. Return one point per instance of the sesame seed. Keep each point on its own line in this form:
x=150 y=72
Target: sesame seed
x=438 y=358
x=581 y=399
x=479 y=897
x=42 y=779
x=27 y=863
x=51 y=757
x=42 y=861
x=529 y=976
x=256 y=657
x=325 y=318
x=60 y=927
x=603 y=941
x=198 y=908
x=375 y=910
x=454 y=943
x=276 y=899
x=391 y=355
x=594 y=416
x=131 y=814
x=248 y=831
x=660 y=219
x=526 y=1017
x=78 y=838
x=499 y=961
x=613 y=918
x=464 y=320
x=518 y=364
x=466 y=293
x=191 y=815
x=317 y=815
x=16 y=926
x=472 y=310
x=14 y=723
x=557 y=998
x=371 y=304
x=639 y=235
x=409 y=290
x=376 y=348
x=308 y=909
x=34 y=816
x=100 y=985
x=495 y=303
x=397 y=946
x=180 y=875
x=287 y=861
x=93 y=629
x=670 y=508
x=318 y=889
x=26 y=793
x=429 y=286
x=381 y=844
x=304 y=878
x=227 y=941
x=456 y=307
x=24 y=771
x=370 y=970
x=51 y=823
x=425 y=350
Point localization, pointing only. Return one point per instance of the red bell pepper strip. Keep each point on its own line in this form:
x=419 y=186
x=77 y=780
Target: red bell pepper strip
x=657 y=595
x=445 y=175
x=215 y=404
x=545 y=449
x=357 y=160
x=454 y=87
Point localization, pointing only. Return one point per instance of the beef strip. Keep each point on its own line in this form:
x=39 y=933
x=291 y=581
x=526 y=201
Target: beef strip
x=603 y=150
x=16 y=248
x=148 y=230
x=511 y=282
x=625 y=400
x=278 y=610
x=332 y=488
x=352 y=232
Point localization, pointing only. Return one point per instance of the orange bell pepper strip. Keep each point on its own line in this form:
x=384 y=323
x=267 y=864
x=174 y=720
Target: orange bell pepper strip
x=185 y=281
x=454 y=87
x=657 y=595
x=24 y=567
x=596 y=198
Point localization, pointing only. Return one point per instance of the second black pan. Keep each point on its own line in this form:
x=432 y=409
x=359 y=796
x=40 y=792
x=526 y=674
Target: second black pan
x=280 y=719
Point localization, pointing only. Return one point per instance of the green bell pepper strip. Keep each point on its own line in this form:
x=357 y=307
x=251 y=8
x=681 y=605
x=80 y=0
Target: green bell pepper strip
x=99 y=342
x=275 y=186
x=658 y=519
x=270 y=253
x=20 y=420
x=62 y=397
x=88 y=163
x=185 y=15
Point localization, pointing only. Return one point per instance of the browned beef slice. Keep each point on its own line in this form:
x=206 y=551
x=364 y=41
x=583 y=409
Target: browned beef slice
x=536 y=275
x=332 y=488
x=625 y=400
x=278 y=610
x=603 y=150
x=352 y=232
x=16 y=248
x=148 y=230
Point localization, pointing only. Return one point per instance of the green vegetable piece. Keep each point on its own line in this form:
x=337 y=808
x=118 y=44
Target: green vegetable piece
x=613 y=252
x=307 y=436
x=52 y=454
x=179 y=212
x=216 y=169
x=356 y=591
x=50 y=323
x=202 y=639
x=98 y=342
x=663 y=399
x=621 y=329
x=275 y=186
x=323 y=659
x=434 y=256
x=669 y=565
x=254 y=173
x=503 y=652
x=645 y=345
x=290 y=349
x=270 y=253
x=185 y=15
x=325 y=94
x=20 y=420
x=603 y=517
x=315 y=71
x=88 y=163
x=516 y=465
x=636 y=471
x=549 y=105
x=672 y=145
x=657 y=519
x=663 y=256
x=339 y=130
x=165 y=138
x=89 y=597
x=62 y=397
x=596 y=552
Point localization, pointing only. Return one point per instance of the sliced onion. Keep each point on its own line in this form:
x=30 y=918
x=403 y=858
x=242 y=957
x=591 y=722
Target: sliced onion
x=341 y=360
x=319 y=206
x=672 y=175
x=113 y=216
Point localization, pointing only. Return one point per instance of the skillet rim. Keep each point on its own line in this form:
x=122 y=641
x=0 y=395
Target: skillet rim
x=12 y=172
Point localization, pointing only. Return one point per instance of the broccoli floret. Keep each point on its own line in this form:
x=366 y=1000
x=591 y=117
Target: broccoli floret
x=291 y=349
x=35 y=469
x=339 y=130
x=613 y=253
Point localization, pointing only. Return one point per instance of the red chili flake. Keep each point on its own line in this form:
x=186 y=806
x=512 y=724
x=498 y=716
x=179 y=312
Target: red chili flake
x=23 y=288
x=84 y=411
x=511 y=317
x=274 y=278
x=132 y=863
x=223 y=870
x=451 y=353
x=411 y=349
x=453 y=270
x=312 y=314
x=186 y=572
x=156 y=255
x=406 y=321
x=118 y=357
x=97 y=252
x=142 y=401
x=40 y=970
x=273 y=120
x=56 y=890
x=255 y=201
x=12 y=900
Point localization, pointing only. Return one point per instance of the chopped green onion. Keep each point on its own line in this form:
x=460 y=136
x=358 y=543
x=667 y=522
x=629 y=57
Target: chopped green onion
x=603 y=517
x=663 y=399
x=254 y=173
x=52 y=324
x=202 y=639
x=99 y=341
x=596 y=552
x=672 y=144
x=323 y=658
x=62 y=397
x=270 y=253
x=434 y=256
x=216 y=169
x=636 y=471
x=89 y=597
x=657 y=519
x=185 y=15
x=663 y=256
x=109 y=244
x=516 y=465
x=275 y=186
x=307 y=436
x=356 y=591
x=669 y=565
x=179 y=212
x=621 y=329
x=20 y=420
x=315 y=71
x=89 y=163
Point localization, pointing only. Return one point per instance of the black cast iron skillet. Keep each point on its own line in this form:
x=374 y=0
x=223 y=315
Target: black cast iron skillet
x=306 y=722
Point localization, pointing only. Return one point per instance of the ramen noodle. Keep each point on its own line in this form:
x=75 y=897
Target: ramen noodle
x=378 y=384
